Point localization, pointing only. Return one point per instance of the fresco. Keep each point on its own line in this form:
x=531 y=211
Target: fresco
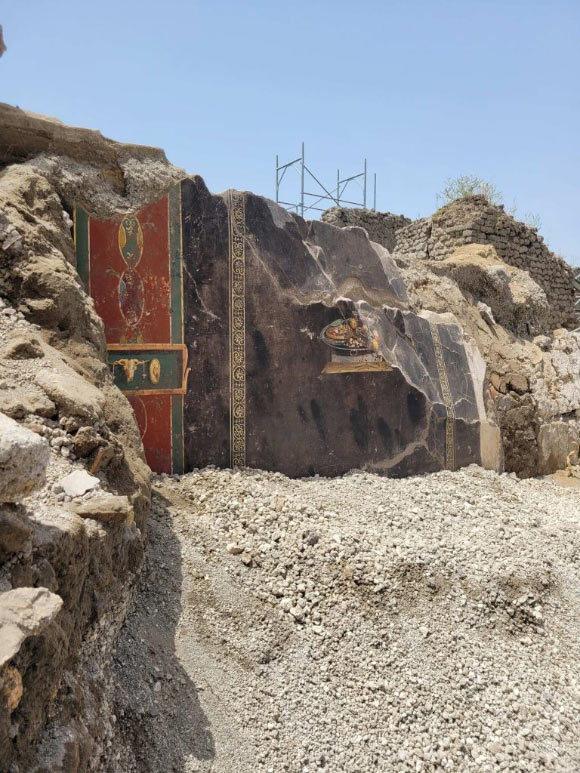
x=354 y=345
x=133 y=271
x=305 y=356
x=243 y=335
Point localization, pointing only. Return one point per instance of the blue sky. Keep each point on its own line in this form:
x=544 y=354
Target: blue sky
x=426 y=90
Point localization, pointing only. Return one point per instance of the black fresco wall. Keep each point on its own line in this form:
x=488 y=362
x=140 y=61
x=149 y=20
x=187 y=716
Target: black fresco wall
x=300 y=420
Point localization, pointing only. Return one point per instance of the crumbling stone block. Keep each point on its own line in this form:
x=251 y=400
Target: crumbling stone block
x=23 y=459
x=24 y=612
x=106 y=509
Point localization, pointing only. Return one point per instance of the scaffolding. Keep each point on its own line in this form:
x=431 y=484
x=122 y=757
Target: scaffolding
x=309 y=200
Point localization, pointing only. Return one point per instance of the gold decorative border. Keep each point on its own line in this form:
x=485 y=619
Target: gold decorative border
x=356 y=367
x=448 y=399
x=237 y=255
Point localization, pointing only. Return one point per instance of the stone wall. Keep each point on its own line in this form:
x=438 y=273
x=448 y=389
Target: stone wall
x=475 y=221
x=381 y=227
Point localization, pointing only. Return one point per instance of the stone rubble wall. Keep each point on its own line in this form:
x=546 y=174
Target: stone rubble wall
x=475 y=221
x=382 y=227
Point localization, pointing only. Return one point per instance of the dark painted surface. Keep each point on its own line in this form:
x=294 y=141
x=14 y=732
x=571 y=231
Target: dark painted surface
x=300 y=277
x=301 y=420
x=206 y=324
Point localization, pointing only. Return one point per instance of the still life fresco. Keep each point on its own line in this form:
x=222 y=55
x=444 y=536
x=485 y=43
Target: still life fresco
x=354 y=345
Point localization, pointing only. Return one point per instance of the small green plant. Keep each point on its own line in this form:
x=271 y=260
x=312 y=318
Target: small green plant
x=467 y=185
x=533 y=220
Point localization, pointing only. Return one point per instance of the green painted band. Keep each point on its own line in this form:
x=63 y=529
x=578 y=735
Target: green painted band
x=81 y=237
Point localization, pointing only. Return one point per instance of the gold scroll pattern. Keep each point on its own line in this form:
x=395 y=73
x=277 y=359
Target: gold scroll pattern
x=237 y=250
x=448 y=399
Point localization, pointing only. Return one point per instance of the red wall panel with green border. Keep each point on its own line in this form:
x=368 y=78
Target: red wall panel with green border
x=132 y=268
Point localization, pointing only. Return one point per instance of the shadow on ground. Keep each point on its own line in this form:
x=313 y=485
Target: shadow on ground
x=160 y=724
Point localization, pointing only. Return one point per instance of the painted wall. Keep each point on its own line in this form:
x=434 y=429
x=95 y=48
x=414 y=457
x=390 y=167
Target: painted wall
x=243 y=335
x=133 y=271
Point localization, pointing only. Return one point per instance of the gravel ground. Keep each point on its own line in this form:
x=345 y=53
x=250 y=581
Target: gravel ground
x=354 y=624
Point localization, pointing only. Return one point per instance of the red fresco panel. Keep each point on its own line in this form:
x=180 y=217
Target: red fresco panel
x=153 y=414
x=134 y=301
x=130 y=283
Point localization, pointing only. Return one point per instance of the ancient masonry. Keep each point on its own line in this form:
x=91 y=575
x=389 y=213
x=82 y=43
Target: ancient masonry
x=475 y=221
x=382 y=227
x=470 y=221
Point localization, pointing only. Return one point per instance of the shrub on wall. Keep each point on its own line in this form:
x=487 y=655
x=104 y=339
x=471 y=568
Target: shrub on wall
x=467 y=185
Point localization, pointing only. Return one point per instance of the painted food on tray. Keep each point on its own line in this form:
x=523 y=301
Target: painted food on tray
x=350 y=337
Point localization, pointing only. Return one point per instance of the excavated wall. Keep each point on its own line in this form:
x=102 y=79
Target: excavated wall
x=382 y=227
x=515 y=299
x=71 y=548
x=243 y=335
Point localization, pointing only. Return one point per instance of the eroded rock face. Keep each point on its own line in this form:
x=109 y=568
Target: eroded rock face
x=73 y=395
x=475 y=221
x=107 y=510
x=55 y=381
x=82 y=163
x=516 y=301
x=15 y=533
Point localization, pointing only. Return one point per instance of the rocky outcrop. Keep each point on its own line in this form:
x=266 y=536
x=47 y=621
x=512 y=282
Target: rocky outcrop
x=108 y=509
x=83 y=165
x=475 y=221
x=23 y=460
x=516 y=302
x=62 y=414
x=24 y=612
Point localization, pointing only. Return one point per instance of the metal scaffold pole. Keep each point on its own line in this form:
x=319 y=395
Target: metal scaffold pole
x=302 y=184
x=309 y=200
x=365 y=187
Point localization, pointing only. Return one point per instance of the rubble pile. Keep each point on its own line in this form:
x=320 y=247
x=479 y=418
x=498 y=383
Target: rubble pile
x=358 y=623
